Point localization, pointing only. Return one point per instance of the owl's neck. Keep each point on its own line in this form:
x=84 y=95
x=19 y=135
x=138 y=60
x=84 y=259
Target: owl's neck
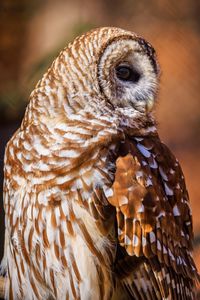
x=73 y=141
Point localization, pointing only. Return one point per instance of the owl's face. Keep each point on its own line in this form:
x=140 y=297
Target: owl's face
x=128 y=74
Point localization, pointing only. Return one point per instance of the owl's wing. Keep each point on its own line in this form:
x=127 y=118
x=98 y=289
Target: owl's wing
x=153 y=219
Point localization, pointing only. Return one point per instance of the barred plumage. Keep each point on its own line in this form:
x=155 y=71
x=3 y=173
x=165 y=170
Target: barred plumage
x=96 y=206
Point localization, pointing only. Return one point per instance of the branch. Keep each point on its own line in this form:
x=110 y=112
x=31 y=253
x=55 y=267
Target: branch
x=2 y=287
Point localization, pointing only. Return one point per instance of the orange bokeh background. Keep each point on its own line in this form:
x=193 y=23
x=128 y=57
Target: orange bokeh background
x=33 y=32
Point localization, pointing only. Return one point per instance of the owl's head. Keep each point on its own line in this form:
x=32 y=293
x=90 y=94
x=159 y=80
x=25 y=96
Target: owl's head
x=106 y=72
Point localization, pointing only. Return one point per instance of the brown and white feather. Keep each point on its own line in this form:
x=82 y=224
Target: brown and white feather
x=96 y=205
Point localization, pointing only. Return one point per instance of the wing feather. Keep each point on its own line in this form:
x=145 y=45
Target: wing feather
x=153 y=215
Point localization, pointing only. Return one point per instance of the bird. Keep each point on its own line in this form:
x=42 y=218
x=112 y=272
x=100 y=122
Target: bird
x=96 y=206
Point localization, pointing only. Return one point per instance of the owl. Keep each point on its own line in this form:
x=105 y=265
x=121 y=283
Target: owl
x=96 y=206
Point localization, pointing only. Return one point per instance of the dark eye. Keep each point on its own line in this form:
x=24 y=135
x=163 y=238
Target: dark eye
x=126 y=73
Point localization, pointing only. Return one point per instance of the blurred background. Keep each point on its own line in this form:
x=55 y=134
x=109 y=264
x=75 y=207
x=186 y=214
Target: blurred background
x=32 y=32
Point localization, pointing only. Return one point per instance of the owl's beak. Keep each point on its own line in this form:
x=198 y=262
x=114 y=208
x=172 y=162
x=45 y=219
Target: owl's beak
x=150 y=104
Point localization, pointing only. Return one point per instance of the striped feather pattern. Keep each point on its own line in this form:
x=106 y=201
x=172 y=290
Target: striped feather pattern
x=96 y=206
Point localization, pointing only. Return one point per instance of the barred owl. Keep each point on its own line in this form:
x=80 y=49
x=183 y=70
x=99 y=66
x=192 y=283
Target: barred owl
x=96 y=205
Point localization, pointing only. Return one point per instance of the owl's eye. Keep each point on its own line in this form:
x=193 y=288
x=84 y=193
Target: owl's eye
x=126 y=73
